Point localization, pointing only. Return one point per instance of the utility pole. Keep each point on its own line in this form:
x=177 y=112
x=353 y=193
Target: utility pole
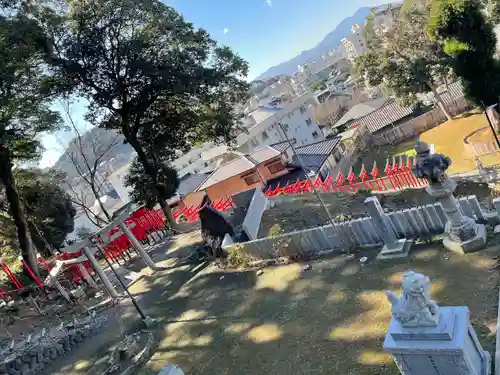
x=491 y=124
x=318 y=195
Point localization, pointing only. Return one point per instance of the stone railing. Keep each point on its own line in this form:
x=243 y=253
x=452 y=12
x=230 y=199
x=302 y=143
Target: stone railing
x=415 y=223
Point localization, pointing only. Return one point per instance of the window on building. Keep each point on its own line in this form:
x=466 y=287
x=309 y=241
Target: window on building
x=275 y=166
x=286 y=127
x=254 y=142
x=302 y=109
x=251 y=178
x=264 y=136
x=315 y=134
x=309 y=122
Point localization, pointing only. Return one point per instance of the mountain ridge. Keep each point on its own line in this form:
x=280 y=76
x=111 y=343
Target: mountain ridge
x=329 y=42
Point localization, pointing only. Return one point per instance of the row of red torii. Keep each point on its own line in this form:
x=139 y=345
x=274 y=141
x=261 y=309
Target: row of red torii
x=77 y=263
x=397 y=175
x=130 y=231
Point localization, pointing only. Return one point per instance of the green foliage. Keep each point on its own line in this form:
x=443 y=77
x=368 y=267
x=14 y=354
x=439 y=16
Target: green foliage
x=318 y=86
x=48 y=208
x=144 y=186
x=237 y=257
x=26 y=89
x=468 y=37
x=149 y=74
x=403 y=58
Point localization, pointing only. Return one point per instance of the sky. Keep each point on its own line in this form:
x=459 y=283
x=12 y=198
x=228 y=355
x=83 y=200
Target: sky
x=263 y=32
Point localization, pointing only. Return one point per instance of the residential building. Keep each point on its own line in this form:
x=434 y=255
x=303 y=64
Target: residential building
x=318 y=158
x=243 y=173
x=261 y=127
x=354 y=45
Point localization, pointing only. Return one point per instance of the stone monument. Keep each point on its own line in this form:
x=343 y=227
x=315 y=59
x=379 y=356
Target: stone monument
x=462 y=234
x=427 y=339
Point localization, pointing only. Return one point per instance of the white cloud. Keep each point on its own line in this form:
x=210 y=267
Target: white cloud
x=269 y=2
x=226 y=30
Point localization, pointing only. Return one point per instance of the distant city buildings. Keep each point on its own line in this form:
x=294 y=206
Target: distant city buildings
x=261 y=127
x=354 y=45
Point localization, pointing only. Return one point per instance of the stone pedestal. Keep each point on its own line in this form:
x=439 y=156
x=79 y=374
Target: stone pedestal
x=451 y=348
x=462 y=234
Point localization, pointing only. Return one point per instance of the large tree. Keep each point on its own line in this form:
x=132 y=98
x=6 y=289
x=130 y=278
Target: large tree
x=24 y=109
x=137 y=62
x=467 y=36
x=403 y=57
x=48 y=208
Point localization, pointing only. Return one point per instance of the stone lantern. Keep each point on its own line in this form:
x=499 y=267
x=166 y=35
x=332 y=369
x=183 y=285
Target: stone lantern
x=462 y=234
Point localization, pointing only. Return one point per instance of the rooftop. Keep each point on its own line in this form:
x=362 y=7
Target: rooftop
x=314 y=155
x=360 y=110
x=240 y=165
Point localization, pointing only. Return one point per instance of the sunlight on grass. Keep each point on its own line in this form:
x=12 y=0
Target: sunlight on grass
x=371 y=323
x=81 y=365
x=265 y=333
x=279 y=278
x=448 y=140
x=369 y=357
x=237 y=328
x=409 y=153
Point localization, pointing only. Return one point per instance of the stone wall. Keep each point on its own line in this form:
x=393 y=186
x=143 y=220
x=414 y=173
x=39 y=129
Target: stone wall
x=32 y=355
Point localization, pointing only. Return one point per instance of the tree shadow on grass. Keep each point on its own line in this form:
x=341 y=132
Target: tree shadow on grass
x=324 y=321
x=331 y=319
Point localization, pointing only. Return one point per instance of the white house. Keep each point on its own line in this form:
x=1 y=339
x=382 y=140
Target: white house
x=261 y=127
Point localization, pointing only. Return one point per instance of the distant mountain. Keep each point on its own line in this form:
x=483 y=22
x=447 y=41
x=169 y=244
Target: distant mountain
x=97 y=141
x=330 y=41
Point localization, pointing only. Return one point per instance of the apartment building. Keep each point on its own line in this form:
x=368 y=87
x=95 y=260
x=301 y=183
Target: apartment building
x=354 y=45
x=261 y=127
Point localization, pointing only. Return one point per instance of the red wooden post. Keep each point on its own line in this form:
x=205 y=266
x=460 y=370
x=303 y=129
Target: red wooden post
x=378 y=178
x=341 y=182
x=353 y=181
x=327 y=184
x=365 y=178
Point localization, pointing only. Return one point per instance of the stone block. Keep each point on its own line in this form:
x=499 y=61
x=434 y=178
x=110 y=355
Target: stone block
x=476 y=243
x=401 y=249
x=450 y=348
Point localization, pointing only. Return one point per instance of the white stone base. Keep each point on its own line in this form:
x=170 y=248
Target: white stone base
x=476 y=243
x=401 y=250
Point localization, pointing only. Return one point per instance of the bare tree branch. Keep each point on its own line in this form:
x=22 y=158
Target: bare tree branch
x=87 y=162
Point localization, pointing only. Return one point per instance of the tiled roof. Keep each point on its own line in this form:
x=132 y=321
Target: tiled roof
x=263 y=154
x=386 y=115
x=190 y=183
x=240 y=165
x=392 y=111
x=314 y=155
x=455 y=92
x=360 y=110
x=281 y=146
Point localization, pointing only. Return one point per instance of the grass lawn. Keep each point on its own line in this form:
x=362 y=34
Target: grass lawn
x=447 y=139
x=331 y=319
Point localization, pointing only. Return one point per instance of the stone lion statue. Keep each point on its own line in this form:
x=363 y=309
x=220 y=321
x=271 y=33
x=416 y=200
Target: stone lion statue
x=414 y=308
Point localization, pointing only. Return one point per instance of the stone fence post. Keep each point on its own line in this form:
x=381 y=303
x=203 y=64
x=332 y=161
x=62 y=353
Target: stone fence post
x=393 y=247
x=427 y=339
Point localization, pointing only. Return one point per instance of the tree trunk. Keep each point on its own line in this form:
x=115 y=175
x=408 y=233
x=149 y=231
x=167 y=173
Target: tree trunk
x=17 y=212
x=151 y=171
x=440 y=102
